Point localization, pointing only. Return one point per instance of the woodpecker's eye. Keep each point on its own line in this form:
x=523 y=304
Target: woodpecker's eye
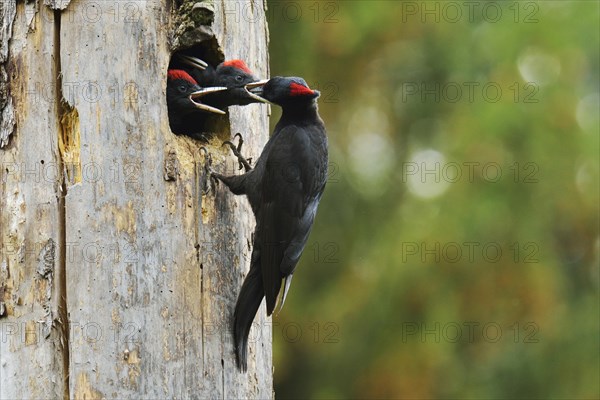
x=239 y=78
x=182 y=88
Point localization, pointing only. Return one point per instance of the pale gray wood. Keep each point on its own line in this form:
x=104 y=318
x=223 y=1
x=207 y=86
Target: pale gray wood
x=31 y=338
x=153 y=268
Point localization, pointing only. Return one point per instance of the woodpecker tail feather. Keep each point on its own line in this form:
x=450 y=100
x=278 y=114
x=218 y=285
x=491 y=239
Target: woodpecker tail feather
x=283 y=295
x=247 y=305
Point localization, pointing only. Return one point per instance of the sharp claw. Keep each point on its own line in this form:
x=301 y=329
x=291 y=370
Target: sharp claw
x=230 y=144
x=241 y=139
x=239 y=146
x=236 y=150
x=210 y=188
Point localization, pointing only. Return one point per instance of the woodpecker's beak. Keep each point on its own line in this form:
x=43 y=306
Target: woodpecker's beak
x=203 y=92
x=255 y=90
x=193 y=62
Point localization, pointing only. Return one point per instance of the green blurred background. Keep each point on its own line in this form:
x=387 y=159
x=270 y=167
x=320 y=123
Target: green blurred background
x=456 y=249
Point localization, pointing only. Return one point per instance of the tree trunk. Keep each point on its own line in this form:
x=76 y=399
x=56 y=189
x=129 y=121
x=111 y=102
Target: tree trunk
x=118 y=277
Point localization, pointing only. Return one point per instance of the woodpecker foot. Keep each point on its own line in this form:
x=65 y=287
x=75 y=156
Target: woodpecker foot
x=236 y=150
x=209 y=173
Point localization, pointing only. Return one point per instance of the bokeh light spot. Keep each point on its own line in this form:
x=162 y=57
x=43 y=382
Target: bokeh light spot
x=538 y=67
x=425 y=174
x=587 y=113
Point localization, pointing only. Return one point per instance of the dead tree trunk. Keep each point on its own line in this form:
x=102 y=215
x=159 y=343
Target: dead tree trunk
x=118 y=277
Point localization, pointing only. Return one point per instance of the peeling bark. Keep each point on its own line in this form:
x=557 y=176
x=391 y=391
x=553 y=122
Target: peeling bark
x=118 y=274
x=57 y=4
x=7 y=113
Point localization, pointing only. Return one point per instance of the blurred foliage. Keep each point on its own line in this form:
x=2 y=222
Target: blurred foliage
x=456 y=249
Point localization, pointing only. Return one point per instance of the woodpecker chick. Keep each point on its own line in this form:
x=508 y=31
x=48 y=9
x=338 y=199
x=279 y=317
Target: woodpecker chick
x=183 y=94
x=232 y=74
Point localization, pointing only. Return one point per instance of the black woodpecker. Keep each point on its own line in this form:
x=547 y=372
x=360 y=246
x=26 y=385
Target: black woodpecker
x=232 y=74
x=227 y=85
x=284 y=190
x=182 y=99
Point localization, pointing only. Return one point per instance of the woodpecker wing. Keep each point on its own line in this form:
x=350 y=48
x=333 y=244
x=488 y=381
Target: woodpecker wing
x=292 y=184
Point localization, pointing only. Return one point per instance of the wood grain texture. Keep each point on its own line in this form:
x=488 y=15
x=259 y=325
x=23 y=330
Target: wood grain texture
x=31 y=341
x=152 y=266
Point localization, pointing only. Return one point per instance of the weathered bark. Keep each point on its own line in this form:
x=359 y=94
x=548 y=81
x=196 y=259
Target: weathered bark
x=117 y=276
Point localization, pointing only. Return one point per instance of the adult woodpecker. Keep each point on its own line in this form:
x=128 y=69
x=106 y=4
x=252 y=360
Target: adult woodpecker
x=284 y=190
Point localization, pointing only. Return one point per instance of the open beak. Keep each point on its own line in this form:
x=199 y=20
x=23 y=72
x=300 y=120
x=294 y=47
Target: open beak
x=203 y=92
x=255 y=90
x=193 y=62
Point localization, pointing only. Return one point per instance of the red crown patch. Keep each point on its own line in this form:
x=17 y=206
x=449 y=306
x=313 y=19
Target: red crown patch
x=300 y=90
x=239 y=64
x=180 y=74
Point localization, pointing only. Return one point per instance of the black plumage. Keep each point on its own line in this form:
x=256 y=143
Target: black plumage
x=284 y=190
x=234 y=75
x=181 y=89
x=212 y=91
